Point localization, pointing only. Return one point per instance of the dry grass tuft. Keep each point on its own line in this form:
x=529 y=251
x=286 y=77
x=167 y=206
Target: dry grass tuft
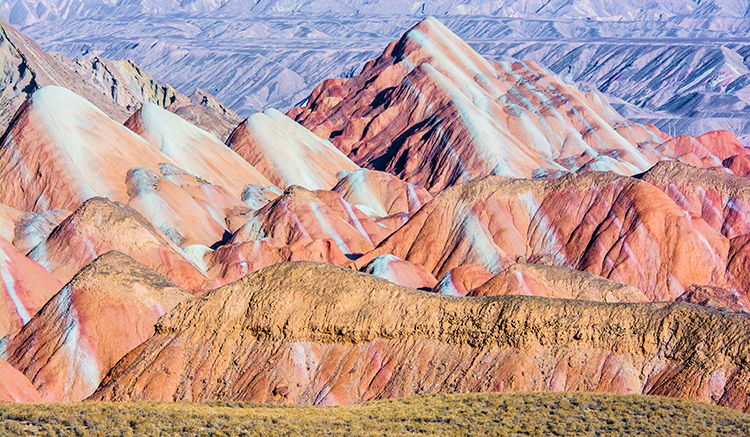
x=506 y=414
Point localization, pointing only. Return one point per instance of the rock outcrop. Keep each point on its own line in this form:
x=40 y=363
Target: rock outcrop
x=308 y=333
x=381 y=194
x=106 y=310
x=616 y=227
x=433 y=112
x=400 y=272
x=287 y=153
x=15 y=387
x=99 y=226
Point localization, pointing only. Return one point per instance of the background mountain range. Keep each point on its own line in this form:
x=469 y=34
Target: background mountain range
x=679 y=64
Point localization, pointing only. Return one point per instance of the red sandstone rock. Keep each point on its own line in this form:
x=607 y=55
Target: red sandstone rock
x=61 y=150
x=106 y=310
x=233 y=261
x=620 y=228
x=187 y=209
x=15 y=387
x=716 y=297
x=461 y=280
x=33 y=228
x=380 y=194
x=99 y=226
x=557 y=282
x=308 y=333
x=400 y=272
x=287 y=153
x=433 y=112
x=314 y=215
x=25 y=287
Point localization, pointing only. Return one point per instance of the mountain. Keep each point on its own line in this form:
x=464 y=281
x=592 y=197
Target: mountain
x=60 y=136
x=322 y=335
x=194 y=149
x=115 y=87
x=429 y=98
x=616 y=227
x=25 y=288
x=106 y=310
x=679 y=65
x=99 y=226
x=288 y=154
x=436 y=222
x=556 y=282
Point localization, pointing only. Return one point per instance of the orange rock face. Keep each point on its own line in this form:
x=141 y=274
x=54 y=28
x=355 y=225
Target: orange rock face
x=108 y=308
x=26 y=287
x=433 y=112
x=322 y=335
x=288 y=154
x=15 y=387
x=462 y=280
x=100 y=226
x=616 y=227
x=400 y=272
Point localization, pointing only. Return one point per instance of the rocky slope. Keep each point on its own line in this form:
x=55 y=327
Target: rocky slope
x=433 y=112
x=99 y=226
x=616 y=227
x=106 y=310
x=309 y=333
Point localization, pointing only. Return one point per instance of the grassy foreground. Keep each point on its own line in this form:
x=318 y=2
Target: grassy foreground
x=449 y=415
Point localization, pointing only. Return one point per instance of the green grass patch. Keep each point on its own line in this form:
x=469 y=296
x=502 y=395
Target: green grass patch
x=505 y=414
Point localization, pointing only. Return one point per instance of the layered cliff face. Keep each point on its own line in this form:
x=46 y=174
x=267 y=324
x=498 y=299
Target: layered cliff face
x=434 y=112
x=106 y=310
x=309 y=333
